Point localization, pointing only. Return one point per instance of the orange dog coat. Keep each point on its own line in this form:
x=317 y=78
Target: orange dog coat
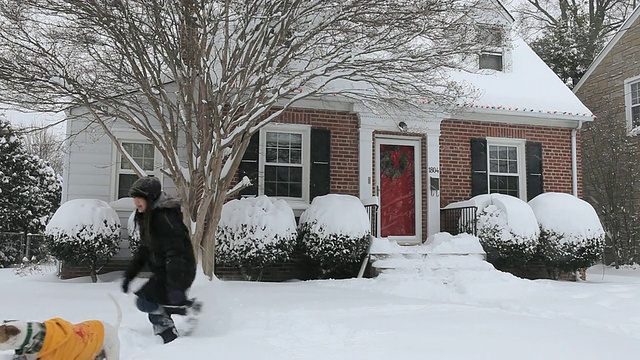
x=66 y=341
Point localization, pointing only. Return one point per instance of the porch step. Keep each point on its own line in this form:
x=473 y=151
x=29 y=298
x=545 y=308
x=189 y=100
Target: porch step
x=442 y=252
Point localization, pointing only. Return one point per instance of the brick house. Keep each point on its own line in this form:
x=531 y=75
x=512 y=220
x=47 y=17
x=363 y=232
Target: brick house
x=517 y=137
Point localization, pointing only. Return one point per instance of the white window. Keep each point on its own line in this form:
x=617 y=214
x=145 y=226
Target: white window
x=145 y=157
x=285 y=161
x=507 y=167
x=632 y=101
x=491 y=60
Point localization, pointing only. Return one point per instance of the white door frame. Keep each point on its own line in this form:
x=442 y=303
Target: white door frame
x=404 y=141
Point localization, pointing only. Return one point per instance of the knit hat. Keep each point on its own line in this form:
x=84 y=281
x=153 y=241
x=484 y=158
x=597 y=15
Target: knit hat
x=147 y=187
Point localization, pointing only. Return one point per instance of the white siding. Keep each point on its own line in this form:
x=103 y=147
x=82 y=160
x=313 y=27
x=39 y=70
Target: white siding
x=89 y=167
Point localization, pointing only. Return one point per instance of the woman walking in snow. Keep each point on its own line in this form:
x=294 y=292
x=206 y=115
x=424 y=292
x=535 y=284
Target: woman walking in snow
x=165 y=247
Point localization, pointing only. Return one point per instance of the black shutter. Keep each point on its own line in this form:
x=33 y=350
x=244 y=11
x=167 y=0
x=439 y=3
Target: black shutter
x=479 y=177
x=320 y=163
x=249 y=165
x=534 y=169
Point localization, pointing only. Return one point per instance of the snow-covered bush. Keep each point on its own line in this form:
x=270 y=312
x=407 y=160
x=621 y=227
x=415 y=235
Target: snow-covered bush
x=84 y=232
x=254 y=233
x=126 y=204
x=571 y=236
x=335 y=232
x=507 y=229
x=133 y=232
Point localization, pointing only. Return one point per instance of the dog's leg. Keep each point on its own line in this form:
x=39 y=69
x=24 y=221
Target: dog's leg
x=111 y=346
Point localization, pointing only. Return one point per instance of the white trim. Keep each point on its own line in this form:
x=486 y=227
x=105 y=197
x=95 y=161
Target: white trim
x=604 y=52
x=520 y=117
x=365 y=162
x=496 y=53
x=627 y=99
x=305 y=131
x=519 y=144
x=416 y=143
x=66 y=170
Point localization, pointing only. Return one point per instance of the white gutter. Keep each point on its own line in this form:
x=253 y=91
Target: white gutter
x=574 y=158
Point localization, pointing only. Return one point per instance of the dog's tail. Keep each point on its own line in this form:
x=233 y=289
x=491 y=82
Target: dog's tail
x=119 y=311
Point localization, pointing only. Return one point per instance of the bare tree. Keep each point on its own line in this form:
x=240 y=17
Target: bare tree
x=41 y=140
x=611 y=176
x=198 y=78
x=568 y=34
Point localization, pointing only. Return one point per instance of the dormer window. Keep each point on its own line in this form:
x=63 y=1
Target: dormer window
x=491 y=60
x=491 y=39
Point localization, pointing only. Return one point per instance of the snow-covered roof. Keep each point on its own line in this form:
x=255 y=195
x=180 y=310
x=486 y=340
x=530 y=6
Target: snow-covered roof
x=603 y=53
x=529 y=87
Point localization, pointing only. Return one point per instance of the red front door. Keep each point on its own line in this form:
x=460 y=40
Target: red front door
x=397 y=176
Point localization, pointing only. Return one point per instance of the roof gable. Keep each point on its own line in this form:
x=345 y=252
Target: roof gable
x=529 y=87
x=610 y=45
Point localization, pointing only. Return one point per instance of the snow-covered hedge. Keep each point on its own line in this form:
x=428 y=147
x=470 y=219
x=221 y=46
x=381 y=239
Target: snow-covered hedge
x=507 y=229
x=571 y=234
x=84 y=232
x=133 y=232
x=335 y=232
x=254 y=233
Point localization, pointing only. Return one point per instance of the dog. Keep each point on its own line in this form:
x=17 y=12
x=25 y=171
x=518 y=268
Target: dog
x=57 y=339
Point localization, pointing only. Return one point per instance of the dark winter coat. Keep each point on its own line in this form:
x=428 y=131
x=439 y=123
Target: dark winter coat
x=166 y=248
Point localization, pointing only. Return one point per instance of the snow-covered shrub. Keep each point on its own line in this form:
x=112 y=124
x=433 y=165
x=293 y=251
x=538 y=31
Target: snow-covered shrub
x=84 y=232
x=507 y=230
x=335 y=232
x=133 y=232
x=254 y=233
x=571 y=236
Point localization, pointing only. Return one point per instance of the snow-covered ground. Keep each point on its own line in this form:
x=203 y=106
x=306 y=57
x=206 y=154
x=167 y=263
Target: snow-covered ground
x=455 y=309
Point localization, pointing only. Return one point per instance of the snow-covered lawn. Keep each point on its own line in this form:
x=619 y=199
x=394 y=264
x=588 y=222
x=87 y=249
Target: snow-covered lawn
x=473 y=312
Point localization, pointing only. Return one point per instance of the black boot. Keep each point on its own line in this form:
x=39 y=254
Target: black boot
x=169 y=335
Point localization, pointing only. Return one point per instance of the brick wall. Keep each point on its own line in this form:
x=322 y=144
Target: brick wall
x=603 y=92
x=455 y=155
x=71 y=271
x=344 y=144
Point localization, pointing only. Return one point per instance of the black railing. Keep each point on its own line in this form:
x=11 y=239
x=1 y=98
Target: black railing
x=459 y=220
x=372 y=212
x=14 y=247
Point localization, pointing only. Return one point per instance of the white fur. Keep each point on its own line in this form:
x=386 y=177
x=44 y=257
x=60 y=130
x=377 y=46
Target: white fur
x=111 y=344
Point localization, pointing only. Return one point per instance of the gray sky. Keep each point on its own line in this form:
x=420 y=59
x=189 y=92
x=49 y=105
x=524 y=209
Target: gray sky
x=35 y=118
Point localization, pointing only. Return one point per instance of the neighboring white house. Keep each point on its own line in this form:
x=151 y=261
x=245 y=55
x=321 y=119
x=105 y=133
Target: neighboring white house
x=516 y=137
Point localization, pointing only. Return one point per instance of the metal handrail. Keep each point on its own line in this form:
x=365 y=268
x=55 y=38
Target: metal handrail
x=372 y=212
x=459 y=220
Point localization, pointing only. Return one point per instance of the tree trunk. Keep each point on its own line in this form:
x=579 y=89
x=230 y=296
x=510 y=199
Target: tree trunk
x=93 y=273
